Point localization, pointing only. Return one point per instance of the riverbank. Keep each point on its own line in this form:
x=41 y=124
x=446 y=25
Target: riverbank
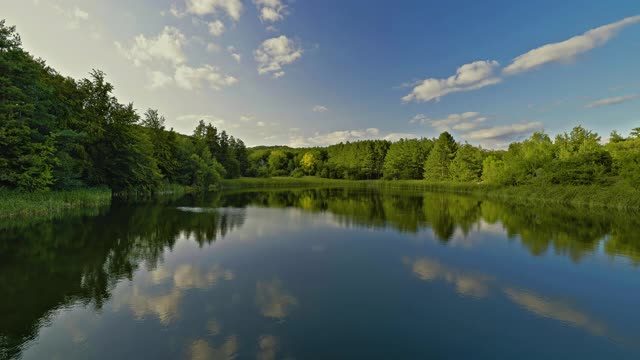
x=617 y=196
x=14 y=204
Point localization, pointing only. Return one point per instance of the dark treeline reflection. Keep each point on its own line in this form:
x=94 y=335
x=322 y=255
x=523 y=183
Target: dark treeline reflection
x=567 y=231
x=47 y=266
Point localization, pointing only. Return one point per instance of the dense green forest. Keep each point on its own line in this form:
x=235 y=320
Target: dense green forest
x=60 y=133
x=576 y=158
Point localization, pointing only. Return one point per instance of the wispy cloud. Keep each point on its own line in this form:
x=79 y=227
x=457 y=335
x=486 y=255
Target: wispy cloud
x=612 y=101
x=567 y=50
x=449 y=121
x=480 y=74
x=319 y=108
x=468 y=77
x=498 y=132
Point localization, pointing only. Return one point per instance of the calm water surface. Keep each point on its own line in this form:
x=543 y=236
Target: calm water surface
x=322 y=274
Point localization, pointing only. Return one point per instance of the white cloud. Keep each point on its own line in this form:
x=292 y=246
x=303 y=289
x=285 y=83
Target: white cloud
x=319 y=108
x=612 y=101
x=167 y=46
x=233 y=8
x=497 y=132
x=274 y=53
x=466 y=126
x=246 y=118
x=270 y=10
x=216 y=28
x=190 y=78
x=159 y=79
x=80 y=14
x=468 y=77
x=261 y=123
x=567 y=50
x=234 y=53
x=445 y=124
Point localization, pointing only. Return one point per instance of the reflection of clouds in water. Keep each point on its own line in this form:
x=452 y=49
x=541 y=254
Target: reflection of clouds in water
x=267 y=347
x=479 y=286
x=213 y=327
x=273 y=300
x=165 y=307
x=159 y=275
x=187 y=277
x=201 y=350
x=554 y=310
x=466 y=284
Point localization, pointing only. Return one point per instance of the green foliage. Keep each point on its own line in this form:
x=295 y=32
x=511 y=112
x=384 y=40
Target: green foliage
x=436 y=167
x=493 y=170
x=467 y=165
x=58 y=133
x=405 y=159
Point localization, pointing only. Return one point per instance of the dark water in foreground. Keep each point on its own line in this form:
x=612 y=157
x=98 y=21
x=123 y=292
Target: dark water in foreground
x=322 y=274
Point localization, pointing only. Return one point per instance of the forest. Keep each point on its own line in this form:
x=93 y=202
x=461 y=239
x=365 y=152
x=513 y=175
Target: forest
x=575 y=158
x=57 y=133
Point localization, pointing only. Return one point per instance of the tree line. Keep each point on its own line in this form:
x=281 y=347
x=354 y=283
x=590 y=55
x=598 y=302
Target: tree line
x=575 y=158
x=60 y=133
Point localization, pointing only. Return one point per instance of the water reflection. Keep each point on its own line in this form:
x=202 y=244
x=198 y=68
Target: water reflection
x=467 y=284
x=273 y=300
x=116 y=259
x=555 y=310
x=479 y=286
x=267 y=347
x=572 y=232
x=80 y=259
x=201 y=350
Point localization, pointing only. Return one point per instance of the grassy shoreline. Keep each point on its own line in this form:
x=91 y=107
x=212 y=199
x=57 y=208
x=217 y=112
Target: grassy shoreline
x=14 y=204
x=618 y=196
x=48 y=205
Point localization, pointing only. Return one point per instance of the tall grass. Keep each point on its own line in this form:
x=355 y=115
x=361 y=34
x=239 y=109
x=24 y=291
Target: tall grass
x=618 y=196
x=14 y=204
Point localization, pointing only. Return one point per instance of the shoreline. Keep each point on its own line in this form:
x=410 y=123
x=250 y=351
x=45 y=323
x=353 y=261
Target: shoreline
x=47 y=205
x=618 y=196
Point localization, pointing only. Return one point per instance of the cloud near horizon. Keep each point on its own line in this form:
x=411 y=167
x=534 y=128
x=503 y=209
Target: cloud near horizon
x=501 y=132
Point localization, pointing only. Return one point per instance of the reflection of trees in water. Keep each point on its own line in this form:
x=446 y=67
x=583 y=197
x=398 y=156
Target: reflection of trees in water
x=56 y=263
x=567 y=231
x=49 y=265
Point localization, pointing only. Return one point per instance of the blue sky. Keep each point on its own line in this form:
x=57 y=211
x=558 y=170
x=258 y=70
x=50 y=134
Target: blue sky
x=319 y=72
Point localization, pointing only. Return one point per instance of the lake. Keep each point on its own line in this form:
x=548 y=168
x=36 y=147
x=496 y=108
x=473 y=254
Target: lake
x=322 y=274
